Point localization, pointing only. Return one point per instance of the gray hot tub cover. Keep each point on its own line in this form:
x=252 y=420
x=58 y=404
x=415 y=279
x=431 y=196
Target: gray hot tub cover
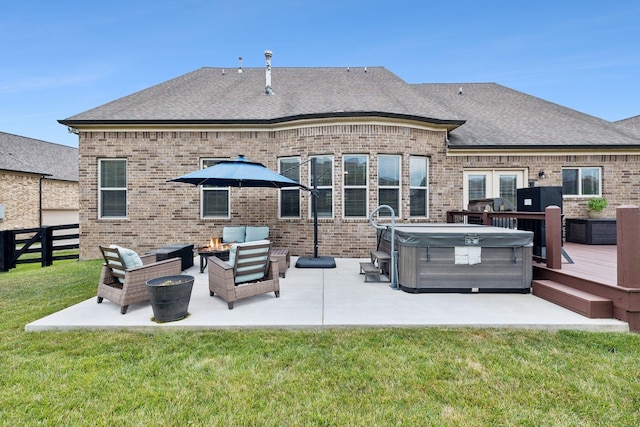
x=452 y=235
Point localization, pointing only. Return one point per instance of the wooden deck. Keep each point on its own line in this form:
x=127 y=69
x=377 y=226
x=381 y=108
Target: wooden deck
x=597 y=263
x=595 y=272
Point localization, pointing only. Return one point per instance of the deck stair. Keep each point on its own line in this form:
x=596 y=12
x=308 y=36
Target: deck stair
x=584 y=303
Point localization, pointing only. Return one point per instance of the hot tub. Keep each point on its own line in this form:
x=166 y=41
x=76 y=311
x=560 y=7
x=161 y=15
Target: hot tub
x=461 y=258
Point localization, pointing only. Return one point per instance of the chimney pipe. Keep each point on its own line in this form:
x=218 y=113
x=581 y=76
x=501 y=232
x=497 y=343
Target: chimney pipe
x=267 y=89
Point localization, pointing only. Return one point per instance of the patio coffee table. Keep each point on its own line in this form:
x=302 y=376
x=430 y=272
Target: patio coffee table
x=206 y=252
x=284 y=259
x=182 y=251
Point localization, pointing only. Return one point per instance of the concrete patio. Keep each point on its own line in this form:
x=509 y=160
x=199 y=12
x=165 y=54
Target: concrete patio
x=333 y=298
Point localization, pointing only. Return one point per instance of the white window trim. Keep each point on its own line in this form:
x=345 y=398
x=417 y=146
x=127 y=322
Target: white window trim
x=203 y=189
x=395 y=187
x=101 y=188
x=346 y=187
x=522 y=177
x=325 y=187
x=426 y=187
x=580 y=195
x=290 y=188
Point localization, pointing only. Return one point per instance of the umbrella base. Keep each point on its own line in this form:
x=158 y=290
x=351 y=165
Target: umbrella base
x=316 y=262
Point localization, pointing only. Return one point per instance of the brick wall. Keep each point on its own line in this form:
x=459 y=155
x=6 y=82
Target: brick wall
x=21 y=196
x=161 y=212
x=620 y=176
x=20 y=193
x=60 y=194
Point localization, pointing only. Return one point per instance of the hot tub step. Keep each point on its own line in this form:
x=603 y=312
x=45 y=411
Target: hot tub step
x=370 y=271
x=589 y=305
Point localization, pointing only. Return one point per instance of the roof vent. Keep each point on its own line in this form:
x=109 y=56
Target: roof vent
x=460 y=91
x=267 y=89
x=240 y=65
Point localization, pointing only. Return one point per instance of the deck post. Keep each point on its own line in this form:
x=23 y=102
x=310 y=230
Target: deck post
x=628 y=250
x=553 y=236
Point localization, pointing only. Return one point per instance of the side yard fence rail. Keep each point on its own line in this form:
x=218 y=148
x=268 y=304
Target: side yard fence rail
x=46 y=241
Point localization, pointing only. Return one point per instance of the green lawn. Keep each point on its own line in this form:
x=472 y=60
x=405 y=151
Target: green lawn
x=357 y=377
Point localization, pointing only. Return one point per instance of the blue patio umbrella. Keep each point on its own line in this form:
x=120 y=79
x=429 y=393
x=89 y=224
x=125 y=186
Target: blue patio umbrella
x=243 y=173
x=238 y=173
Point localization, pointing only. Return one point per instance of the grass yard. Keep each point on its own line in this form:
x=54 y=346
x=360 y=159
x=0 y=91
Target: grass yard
x=357 y=377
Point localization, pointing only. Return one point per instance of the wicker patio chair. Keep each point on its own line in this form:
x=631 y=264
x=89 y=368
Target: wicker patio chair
x=125 y=286
x=250 y=271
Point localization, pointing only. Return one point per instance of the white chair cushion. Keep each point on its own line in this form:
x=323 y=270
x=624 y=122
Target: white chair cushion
x=259 y=254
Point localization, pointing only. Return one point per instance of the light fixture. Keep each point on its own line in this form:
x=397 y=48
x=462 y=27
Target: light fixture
x=541 y=175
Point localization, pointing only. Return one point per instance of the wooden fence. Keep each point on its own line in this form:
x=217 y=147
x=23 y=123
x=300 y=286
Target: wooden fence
x=44 y=241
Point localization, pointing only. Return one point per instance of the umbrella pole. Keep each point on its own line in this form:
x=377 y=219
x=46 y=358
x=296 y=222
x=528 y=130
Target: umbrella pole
x=315 y=261
x=314 y=207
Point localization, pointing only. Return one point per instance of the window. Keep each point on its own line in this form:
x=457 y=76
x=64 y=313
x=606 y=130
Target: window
x=355 y=186
x=581 y=182
x=215 y=200
x=290 y=197
x=418 y=187
x=489 y=184
x=389 y=183
x=324 y=173
x=477 y=186
x=112 y=188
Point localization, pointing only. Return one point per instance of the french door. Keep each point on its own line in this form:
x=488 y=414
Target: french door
x=492 y=183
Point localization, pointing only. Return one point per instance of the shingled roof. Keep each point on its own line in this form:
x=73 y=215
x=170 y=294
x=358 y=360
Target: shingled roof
x=216 y=95
x=22 y=154
x=632 y=124
x=477 y=115
x=497 y=117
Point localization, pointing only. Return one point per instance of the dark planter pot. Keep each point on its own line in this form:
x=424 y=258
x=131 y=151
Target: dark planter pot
x=170 y=296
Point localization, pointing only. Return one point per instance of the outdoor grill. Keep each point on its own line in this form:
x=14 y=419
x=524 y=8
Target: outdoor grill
x=497 y=204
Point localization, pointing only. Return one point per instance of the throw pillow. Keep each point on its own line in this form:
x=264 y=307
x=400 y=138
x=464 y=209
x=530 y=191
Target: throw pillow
x=233 y=234
x=130 y=259
x=256 y=233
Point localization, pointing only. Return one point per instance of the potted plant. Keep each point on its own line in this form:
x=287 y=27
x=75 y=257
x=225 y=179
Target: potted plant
x=595 y=206
x=170 y=296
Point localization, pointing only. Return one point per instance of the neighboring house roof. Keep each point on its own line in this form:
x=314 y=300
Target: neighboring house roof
x=22 y=154
x=219 y=96
x=484 y=115
x=632 y=124
x=498 y=117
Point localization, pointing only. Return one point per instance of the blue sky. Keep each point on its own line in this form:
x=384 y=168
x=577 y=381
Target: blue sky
x=60 y=58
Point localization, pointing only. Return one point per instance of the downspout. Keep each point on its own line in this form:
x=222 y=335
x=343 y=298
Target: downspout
x=40 y=200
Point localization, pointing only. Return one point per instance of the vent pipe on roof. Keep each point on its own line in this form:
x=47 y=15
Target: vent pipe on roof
x=267 y=89
x=240 y=65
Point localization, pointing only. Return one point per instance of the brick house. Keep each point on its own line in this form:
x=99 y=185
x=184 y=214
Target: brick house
x=38 y=183
x=422 y=148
